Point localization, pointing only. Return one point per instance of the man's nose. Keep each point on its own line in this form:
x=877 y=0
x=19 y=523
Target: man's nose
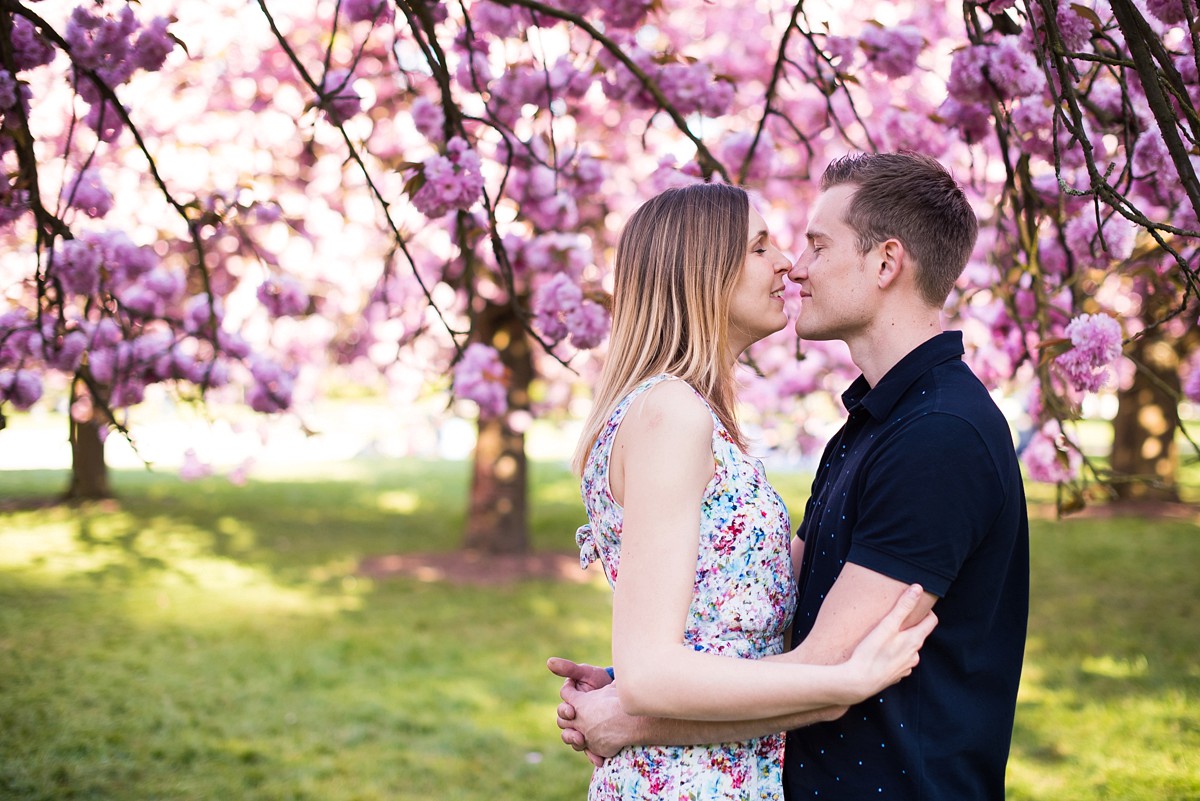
x=798 y=271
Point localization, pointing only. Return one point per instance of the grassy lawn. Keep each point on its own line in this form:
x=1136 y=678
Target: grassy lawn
x=204 y=641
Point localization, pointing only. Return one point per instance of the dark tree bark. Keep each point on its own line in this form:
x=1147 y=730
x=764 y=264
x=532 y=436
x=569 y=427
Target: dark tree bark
x=497 y=513
x=1144 y=459
x=89 y=473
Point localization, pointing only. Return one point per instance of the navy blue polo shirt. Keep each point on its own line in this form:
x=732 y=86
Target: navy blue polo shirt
x=922 y=485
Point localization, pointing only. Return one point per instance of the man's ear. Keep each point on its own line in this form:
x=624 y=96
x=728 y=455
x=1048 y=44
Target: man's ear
x=892 y=261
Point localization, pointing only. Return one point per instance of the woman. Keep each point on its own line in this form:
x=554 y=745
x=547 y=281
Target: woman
x=692 y=537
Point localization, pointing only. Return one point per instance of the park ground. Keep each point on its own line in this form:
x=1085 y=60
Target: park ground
x=316 y=634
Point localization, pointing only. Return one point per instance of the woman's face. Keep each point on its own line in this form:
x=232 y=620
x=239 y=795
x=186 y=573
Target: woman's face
x=756 y=308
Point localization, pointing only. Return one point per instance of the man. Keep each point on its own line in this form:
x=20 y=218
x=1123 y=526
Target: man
x=921 y=485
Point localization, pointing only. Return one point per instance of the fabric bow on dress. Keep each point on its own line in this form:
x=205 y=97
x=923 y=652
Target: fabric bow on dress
x=588 y=550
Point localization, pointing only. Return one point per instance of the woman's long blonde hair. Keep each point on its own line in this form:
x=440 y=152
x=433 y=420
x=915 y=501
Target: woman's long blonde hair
x=678 y=259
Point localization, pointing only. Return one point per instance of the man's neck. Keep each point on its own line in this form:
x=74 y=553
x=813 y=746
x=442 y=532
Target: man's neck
x=890 y=339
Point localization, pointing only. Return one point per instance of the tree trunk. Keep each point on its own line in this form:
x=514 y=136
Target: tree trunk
x=89 y=473
x=1144 y=456
x=497 y=520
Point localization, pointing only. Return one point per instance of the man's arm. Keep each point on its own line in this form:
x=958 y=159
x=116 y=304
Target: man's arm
x=595 y=722
x=854 y=605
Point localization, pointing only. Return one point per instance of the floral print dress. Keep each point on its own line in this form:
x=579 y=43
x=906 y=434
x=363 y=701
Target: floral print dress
x=742 y=603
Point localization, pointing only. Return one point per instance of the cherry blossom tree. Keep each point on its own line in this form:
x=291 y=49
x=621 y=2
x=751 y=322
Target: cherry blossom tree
x=230 y=198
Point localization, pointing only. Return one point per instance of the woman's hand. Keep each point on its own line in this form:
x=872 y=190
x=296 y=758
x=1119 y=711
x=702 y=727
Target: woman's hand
x=889 y=652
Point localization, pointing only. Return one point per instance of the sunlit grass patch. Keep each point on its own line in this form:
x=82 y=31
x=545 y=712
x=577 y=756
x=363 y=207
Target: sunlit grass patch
x=203 y=641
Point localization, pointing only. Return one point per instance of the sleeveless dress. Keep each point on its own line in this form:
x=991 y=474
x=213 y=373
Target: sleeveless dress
x=742 y=603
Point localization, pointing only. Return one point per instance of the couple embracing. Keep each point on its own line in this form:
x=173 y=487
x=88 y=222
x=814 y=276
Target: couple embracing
x=727 y=631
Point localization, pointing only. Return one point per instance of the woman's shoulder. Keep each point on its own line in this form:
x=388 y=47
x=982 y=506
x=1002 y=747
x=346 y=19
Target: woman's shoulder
x=671 y=405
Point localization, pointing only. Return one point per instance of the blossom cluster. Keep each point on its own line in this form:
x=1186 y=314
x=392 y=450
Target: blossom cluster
x=481 y=377
x=113 y=48
x=562 y=310
x=1048 y=458
x=338 y=99
x=453 y=181
x=1096 y=344
x=690 y=87
x=283 y=296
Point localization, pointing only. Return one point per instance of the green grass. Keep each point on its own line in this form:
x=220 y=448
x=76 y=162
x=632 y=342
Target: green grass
x=203 y=641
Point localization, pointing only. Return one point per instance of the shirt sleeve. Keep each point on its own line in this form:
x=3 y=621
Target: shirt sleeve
x=927 y=499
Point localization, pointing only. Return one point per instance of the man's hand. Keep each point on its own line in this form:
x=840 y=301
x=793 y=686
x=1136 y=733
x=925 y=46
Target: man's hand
x=577 y=680
x=585 y=677
x=599 y=723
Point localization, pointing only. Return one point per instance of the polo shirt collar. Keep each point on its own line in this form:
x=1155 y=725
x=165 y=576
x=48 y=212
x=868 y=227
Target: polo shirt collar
x=883 y=397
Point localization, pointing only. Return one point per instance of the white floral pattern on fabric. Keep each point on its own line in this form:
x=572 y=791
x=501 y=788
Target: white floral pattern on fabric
x=742 y=604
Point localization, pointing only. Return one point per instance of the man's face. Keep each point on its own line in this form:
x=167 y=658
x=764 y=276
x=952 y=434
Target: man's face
x=837 y=289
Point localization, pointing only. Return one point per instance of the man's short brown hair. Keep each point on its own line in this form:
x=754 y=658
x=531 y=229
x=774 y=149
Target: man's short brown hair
x=910 y=197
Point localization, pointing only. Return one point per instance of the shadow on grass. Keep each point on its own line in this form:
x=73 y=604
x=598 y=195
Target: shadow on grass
x=299 y=529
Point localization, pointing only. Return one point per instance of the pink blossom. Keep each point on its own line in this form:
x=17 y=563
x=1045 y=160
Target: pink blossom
x=8 y=90
x=166 y=283
x=368 y=10
x=105 y=120
x=1013 y=70
x=453 y=181
x=906 y=130
x=192 y=468
x=1033 y=120
x=153 y=45
x=283 y=296
x=1100 y=248
x=338 y=99
x=88 y=194
x=553 y=301
x=1191 y=385
x=429 y=119
x=1075 y=29
x=492 y=19
x=30 y=49
x=737 y=145
x=141 y=300
x=238 y=475
x=199 y=311
x=105 y=333
x=1096 y=344
x=588 y=323
x=624 y=13
x=480 y=376
x=124 y=260
x=101 y=43
x=1049 y=459
x=1150 y=155
x=967 y=83
x=77 y=266
x=272 y=387
x=973 y=120
x=1169 y=11
x=475 y=71
x=691 y=88
x=841 y=49
x=892 y=51
x=21 y=388
x=67 y=356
